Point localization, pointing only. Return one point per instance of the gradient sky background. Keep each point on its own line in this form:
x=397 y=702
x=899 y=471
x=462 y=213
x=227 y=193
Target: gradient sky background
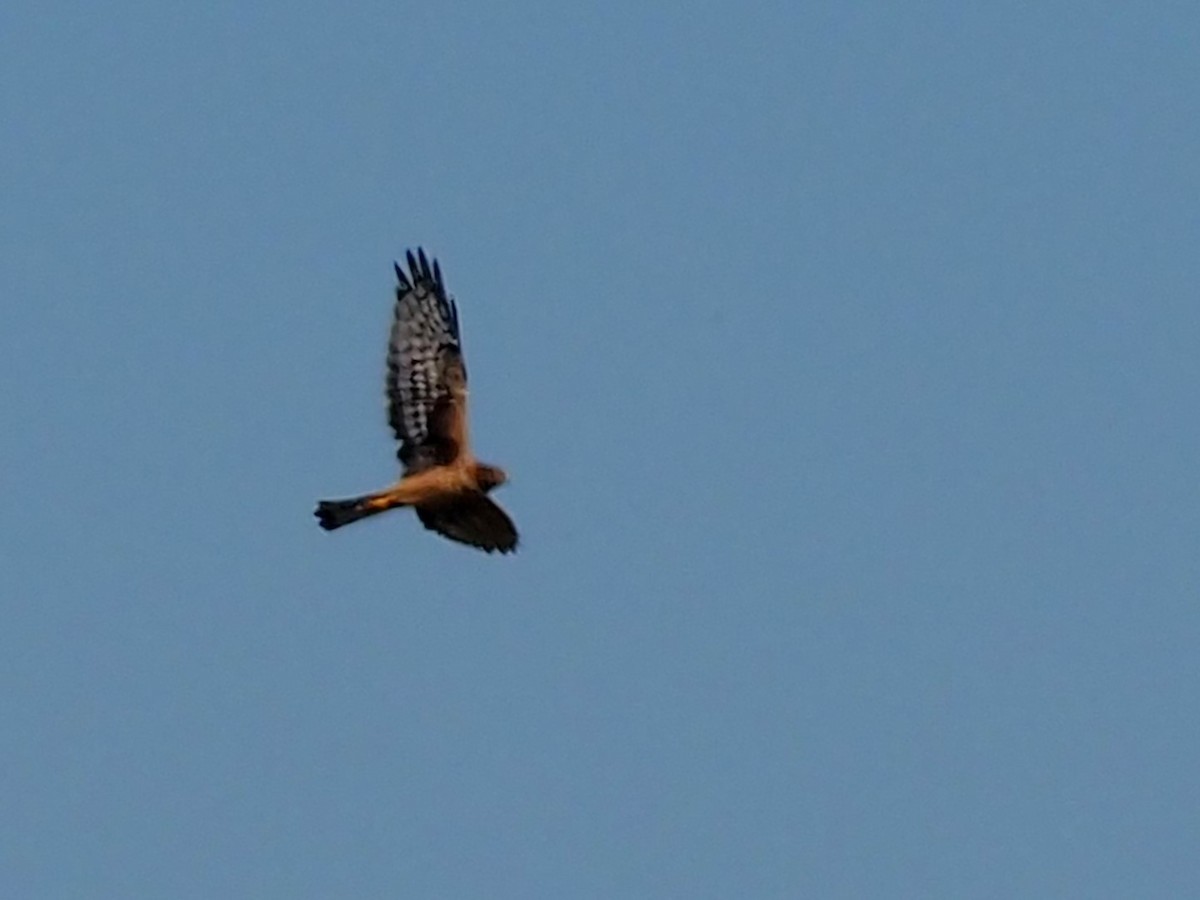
x=844 y=358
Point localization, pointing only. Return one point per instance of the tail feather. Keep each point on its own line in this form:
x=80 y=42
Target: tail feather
x=333 y=514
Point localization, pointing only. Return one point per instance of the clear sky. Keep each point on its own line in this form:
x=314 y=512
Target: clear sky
x=844 y=359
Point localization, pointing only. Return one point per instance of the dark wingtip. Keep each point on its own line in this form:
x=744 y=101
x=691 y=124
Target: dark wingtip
x=401 y=277
x=421 y=269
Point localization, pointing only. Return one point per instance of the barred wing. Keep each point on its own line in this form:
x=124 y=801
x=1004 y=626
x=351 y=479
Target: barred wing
x=426 y=378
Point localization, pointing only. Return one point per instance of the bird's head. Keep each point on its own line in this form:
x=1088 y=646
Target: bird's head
x=489 y=477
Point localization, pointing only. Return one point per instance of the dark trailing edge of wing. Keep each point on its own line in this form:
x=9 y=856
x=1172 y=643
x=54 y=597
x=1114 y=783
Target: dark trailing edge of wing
x=420 y=273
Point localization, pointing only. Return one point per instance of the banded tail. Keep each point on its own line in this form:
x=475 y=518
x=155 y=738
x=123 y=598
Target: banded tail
x=333 y=514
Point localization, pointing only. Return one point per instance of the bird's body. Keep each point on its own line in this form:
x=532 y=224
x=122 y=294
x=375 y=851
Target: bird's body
x=427 y=409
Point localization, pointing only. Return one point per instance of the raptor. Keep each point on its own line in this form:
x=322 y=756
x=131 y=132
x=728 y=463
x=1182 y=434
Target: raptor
x=427 y=410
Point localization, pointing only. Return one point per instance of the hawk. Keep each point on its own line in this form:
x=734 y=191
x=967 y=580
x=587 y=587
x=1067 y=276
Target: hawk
x=427 y=409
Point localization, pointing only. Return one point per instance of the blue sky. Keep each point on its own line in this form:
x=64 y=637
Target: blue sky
x=843 y=357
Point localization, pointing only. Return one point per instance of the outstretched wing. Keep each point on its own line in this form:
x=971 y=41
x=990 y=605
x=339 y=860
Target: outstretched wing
x=426 y=377
x=471 y=519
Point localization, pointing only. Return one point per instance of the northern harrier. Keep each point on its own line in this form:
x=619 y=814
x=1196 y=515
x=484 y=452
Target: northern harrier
x=427 y=409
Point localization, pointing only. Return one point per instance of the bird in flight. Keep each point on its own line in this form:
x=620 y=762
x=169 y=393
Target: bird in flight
x=427 y=409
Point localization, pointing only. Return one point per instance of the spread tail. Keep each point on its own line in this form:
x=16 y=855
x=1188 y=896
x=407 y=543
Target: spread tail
x=333 y=514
